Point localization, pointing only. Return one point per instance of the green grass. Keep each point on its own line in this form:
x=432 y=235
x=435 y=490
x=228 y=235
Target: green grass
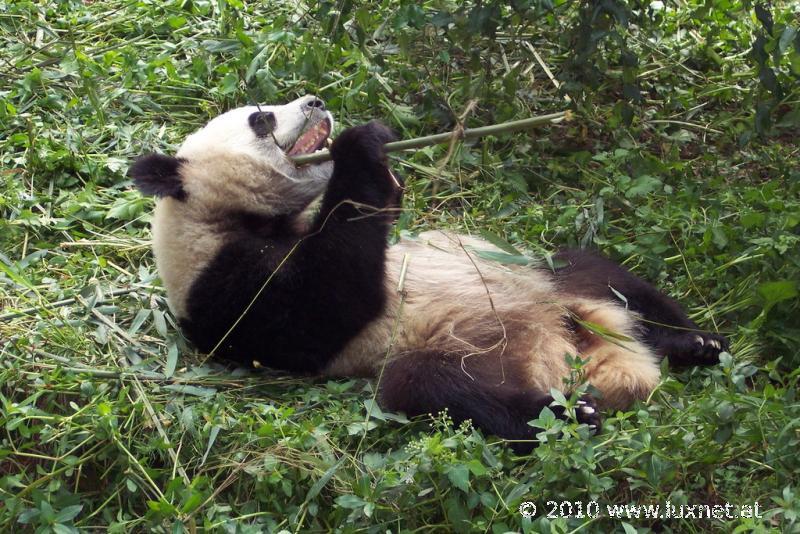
x=681 y=162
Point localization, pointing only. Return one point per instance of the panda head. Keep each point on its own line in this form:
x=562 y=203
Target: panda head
x=231 y=177
x=240 y=162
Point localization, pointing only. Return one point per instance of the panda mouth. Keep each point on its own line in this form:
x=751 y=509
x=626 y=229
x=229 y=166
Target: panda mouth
x=312 y=139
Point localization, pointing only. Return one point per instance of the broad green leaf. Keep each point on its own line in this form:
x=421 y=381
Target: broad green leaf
x=320 y=483
x=172 y=360
x=459 y=476
x=350 y=501
x=477 y=468
x=787 y=36
x=643 y=185
x=774 y=292
x=558 y=396
x=500 y=243
x=69 y=513
x=502 y=257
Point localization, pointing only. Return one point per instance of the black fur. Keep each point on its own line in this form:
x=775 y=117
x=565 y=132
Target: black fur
x=329 y=287
x=262 y=123
x=256 y=224
x=425 y=382
x=158 y=175
x=292 y=302
x=473 y=388
x=666 y=328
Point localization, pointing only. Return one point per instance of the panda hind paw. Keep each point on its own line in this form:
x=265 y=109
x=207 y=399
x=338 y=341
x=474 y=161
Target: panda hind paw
x=710 y=345
x=586 y=412
x=694 y=348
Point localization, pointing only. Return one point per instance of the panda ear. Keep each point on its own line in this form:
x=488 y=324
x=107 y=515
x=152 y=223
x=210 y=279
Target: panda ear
x=158 y=175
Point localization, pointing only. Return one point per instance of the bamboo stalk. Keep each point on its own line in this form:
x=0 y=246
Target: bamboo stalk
x=437 y=139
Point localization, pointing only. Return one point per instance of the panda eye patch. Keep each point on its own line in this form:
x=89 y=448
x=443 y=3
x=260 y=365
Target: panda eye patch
x=262 y=123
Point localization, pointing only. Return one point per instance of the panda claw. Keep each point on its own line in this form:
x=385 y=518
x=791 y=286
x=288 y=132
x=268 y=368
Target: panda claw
x=588 y=413
x=693 y=348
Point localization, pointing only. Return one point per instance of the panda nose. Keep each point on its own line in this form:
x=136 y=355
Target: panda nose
x=314 y=103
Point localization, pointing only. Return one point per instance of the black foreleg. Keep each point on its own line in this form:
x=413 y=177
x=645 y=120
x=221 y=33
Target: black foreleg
x=293 y=302
x=362 y=186
x=666 y=327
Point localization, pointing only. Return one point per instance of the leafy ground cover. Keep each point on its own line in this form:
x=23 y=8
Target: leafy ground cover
x=681 y=162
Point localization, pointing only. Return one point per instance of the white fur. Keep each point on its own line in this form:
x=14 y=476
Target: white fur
x=227 y=169
x=453 y=301
x=459 y=303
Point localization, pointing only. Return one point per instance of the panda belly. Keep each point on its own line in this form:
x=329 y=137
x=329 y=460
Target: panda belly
x=510 y=323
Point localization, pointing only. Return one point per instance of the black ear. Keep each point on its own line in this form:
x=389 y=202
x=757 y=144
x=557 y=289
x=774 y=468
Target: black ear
x=157 y=174
x=262 y=123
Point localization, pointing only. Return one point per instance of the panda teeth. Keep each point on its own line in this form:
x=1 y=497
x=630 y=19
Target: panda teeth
x=317 y=135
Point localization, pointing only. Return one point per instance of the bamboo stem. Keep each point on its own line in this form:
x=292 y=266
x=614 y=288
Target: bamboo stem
x=437 y=139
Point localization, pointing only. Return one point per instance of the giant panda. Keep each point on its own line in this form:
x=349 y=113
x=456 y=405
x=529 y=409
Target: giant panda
x=271 y=264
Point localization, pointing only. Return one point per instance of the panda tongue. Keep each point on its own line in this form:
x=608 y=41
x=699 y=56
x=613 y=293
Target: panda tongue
x=311 y=140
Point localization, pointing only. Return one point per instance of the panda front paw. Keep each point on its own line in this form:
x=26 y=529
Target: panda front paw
x=362 y=144
x=361 y=172
x=694 y=348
